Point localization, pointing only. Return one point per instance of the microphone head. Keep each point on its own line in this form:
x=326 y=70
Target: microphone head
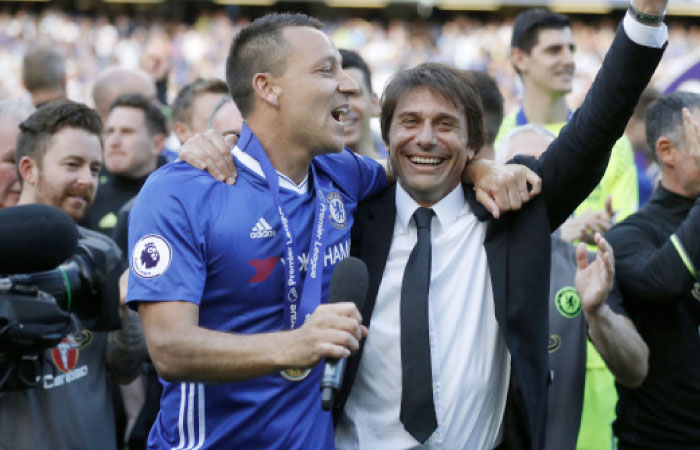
x=349 y=282
x=35 y=238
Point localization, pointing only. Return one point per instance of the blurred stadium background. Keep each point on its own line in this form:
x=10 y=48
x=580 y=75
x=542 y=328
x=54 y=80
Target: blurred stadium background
x=190 y=38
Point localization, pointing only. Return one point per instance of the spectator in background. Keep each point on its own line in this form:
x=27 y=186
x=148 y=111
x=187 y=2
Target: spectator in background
x=44 y=73
x=363 y=105
x=658 y=257
x=644 y=158
x=59 y=155
x=194 y=105
x=542 y=53
x=226 y=118
x=134 y=134
x=573 y=317
x=492 y=102
x=116 y=81
x=12 y=113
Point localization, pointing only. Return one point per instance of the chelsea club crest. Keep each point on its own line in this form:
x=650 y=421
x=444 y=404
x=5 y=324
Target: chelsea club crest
x=337 y=216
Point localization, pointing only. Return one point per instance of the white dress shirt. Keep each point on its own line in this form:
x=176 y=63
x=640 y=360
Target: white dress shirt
x=470 y=361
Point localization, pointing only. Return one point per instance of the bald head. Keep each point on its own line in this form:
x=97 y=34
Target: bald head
x=115 y=81
x=529 y=140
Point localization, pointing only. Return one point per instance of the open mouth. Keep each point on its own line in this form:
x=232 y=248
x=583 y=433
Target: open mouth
x=337 y=112
x=425 y=161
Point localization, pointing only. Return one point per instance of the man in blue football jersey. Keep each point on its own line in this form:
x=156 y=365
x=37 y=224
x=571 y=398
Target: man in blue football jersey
x=229 y=281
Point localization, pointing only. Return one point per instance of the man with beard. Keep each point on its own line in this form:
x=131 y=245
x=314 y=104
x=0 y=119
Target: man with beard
x=12 y=112
x=59 y=156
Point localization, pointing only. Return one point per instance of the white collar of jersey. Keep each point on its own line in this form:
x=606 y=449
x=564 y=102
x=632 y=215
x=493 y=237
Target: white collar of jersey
x=446 y=210
x=285 y=182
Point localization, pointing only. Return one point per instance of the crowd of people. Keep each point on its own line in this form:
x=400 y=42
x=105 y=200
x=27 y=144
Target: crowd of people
x=199 y=50
x=517 y=295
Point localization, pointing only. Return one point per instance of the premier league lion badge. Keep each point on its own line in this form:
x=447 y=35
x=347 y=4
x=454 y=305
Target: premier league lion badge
x=337 y=216
x=151 y=256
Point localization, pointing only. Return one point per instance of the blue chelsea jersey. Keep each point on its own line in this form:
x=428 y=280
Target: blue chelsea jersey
x=221 y=247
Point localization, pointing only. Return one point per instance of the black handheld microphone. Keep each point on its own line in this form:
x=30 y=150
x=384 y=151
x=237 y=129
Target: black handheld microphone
x=348 y=283
x=35 y=238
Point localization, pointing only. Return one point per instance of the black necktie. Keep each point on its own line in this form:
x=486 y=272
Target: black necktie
x=417 y=408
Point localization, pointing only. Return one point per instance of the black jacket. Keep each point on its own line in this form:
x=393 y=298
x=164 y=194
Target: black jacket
x=663 y=300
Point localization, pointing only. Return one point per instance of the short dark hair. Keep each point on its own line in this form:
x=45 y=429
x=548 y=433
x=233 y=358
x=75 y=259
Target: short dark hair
x=258 y=48
x=43 y=67
x=155 y=119
x=353 y=60
x=182 y=106
x=528 y=24
x=37 y=129
x=452 y=83
x=664 y=117
x=491 y=101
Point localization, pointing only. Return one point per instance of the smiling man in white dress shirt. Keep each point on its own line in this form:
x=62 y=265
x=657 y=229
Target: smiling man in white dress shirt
x=485 y=313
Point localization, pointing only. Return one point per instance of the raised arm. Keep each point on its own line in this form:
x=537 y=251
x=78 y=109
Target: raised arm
x=614 y=335
x=575 y=162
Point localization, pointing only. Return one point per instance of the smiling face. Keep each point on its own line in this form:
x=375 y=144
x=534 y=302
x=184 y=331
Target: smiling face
x=362 y=107
x=130 y=150
x=428 y=144
x=550 y=63
x=67 y=175
x=313 y=91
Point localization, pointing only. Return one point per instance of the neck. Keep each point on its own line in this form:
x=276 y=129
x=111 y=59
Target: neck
x=671 y=184
x=26 y=197
x=544 y=107
x=365 y=146
x=288 y=158
x=46 y=95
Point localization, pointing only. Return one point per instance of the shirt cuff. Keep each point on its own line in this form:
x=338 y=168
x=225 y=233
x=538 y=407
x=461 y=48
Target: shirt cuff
x=645 y=35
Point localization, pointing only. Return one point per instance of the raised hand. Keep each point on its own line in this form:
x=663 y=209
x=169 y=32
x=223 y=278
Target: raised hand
x=691 y=134
x=594 y=281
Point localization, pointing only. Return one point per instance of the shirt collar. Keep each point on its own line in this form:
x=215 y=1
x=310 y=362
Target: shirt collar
x=446 y=210
x=246 y=141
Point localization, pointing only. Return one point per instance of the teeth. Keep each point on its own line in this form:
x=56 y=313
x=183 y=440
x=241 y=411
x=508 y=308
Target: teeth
x=422 y=160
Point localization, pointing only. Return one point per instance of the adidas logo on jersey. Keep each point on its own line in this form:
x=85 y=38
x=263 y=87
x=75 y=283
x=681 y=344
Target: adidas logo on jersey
x=262 y=230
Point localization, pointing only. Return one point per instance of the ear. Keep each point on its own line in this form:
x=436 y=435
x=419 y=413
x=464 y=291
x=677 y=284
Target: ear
x=376 y=107
x=158 y=143
x=28 y=170
x=470 y=154
x=666 y=151
x=266 y=89
x=182 y=131
x=519 y=59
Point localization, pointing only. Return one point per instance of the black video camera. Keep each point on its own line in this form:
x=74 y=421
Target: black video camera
x=38 y=309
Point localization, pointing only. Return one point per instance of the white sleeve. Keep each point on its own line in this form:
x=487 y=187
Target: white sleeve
x=646 y=35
